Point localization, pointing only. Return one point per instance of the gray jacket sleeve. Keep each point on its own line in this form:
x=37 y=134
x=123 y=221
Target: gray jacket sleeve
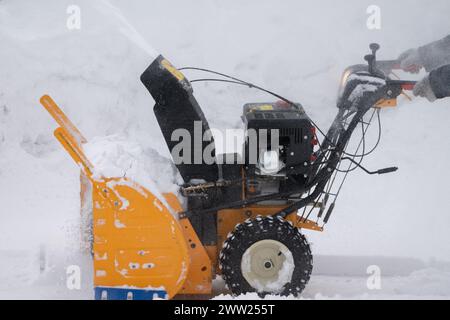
x=435 y=54
x=440 y=81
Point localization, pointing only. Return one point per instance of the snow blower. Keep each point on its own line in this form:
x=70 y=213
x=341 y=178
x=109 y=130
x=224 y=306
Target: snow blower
x=246 y=212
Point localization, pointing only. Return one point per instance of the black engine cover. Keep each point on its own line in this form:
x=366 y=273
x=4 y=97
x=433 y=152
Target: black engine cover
x=295 y=133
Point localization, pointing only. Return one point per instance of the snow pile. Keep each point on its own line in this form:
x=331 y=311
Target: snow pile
x=115 y=156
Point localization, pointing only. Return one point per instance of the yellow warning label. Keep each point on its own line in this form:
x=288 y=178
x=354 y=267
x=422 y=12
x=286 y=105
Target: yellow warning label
x=174 y=71
x=265 y=107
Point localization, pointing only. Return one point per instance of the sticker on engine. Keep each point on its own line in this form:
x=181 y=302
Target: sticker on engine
x=265 y=107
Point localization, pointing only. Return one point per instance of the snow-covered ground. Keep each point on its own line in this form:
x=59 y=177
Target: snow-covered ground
x=296 y=48
x=346 y=277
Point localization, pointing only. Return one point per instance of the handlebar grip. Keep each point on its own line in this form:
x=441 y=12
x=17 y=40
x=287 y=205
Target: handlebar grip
x=387 y=170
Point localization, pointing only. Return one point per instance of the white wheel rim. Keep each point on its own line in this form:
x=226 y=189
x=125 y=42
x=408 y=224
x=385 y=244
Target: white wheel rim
x=267 y=266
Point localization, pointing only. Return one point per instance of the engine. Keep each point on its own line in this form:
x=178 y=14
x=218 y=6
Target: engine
x=279 y=146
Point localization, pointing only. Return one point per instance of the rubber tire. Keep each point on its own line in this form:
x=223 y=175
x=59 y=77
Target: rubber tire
x=262 y=228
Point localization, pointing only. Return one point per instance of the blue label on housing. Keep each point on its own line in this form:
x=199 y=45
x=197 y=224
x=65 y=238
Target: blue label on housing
x=110 y=293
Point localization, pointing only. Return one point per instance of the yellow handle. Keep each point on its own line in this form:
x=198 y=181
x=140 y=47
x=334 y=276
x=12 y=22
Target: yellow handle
x=75 y=151
x=69 y=136
x=59 y=116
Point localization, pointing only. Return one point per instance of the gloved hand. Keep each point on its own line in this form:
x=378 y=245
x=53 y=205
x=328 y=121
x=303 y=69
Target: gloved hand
x=423 y=89
x=411 y=61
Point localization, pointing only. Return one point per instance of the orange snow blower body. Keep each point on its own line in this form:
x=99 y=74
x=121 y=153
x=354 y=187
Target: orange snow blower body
x=137 y=243
x=141 y=250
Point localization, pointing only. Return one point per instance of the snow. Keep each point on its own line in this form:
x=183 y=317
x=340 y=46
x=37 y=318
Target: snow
x=372 y=85
x=117 y=157
x=298 y=49
x=126 y=27
x=366 y=77
x=401 y=278
x=285 y=273
x=358 y=92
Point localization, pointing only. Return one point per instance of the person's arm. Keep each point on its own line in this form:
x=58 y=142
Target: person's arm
x=436 y=54
x=436 y=85
x=430 y=56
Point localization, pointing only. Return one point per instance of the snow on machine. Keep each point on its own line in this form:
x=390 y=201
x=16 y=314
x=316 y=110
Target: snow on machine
x=245 y=213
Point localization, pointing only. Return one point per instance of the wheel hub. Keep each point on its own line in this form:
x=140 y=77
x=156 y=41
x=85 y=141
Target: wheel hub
x=267 y=266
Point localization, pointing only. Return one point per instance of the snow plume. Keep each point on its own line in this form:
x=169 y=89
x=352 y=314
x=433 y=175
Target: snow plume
x=126 y=27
